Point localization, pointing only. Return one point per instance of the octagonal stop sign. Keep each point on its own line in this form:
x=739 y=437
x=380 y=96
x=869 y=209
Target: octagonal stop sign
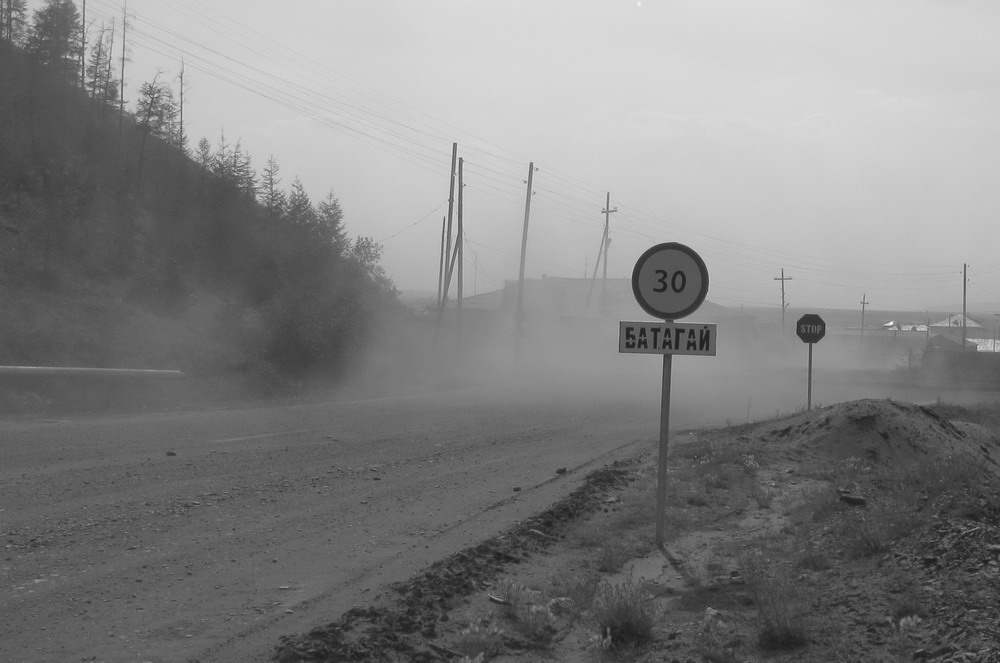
x=810 y=328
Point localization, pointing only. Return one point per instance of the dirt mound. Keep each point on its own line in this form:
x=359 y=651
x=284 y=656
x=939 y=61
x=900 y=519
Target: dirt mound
x=877 y=431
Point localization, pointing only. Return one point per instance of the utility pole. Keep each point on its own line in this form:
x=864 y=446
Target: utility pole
x=519 y=311
x=83 y=47
x=459 y=253
x=965 y=281
x=451 y=212
x=607 y=211
x=605 y=240
x=121 y=84
x=783 y=278
x=441 y=263
x=864 y=303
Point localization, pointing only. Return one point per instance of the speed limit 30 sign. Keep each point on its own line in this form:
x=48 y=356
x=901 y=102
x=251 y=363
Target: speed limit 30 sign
x=670 y=281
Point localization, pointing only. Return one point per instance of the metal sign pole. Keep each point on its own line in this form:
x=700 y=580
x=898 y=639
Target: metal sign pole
x=809 y=391
x=661 y=475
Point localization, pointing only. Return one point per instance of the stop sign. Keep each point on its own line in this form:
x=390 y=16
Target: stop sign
x=810 y=328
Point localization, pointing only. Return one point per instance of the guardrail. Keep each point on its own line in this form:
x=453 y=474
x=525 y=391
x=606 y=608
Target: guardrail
x=82 y=372
x=84 y=387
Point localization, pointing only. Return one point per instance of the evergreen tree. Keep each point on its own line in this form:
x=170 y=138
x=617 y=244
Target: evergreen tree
x=300 y=210
x=243 y=174
x=203 y=155
x=331 y=224
x=102 y=85
x=272 y=197
x=54 y=38
x=156 y=110
x=14 y=21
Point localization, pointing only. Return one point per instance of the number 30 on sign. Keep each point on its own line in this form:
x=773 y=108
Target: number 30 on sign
x=670 y=281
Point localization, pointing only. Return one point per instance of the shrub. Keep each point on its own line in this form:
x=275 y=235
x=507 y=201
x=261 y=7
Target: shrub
x=536 y=621
x=614 y=553
x=479 y=640
x=778 y=603
x=626 y=612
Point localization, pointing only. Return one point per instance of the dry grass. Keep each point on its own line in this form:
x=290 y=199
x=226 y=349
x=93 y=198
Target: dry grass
x=624 y=613
x=479 y=640
x=781 y=624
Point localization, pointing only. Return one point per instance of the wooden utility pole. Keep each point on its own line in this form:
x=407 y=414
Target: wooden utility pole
x=783 y=278
x=181 y=139
x=519 y=311
x=121 y=83
x=459 y=253
x=83 y=47
x=597 y=264
x=864 y=303
x=451 y=211
x=441 y=262
x=965 y=281
x=603 y=251
x=607 y=240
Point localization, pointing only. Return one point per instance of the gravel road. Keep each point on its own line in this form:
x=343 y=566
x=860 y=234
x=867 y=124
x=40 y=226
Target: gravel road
x=206 y=535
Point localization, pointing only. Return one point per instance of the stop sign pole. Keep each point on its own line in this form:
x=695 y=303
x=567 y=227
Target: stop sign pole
x=811 y=329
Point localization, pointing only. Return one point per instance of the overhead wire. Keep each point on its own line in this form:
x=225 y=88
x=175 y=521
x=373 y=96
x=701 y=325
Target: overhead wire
x=420 y=139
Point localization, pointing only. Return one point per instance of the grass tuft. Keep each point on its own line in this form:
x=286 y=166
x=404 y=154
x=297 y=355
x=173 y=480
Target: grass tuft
x=624 y=613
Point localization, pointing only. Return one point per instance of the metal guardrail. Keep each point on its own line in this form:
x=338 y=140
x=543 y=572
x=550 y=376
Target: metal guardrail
x=82 y=372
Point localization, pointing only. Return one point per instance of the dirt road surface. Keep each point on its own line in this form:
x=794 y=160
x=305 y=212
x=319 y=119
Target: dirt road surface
x=206 y=535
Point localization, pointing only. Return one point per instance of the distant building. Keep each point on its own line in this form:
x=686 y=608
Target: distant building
x=955 y=322
x=581 y=309
x=894 y=326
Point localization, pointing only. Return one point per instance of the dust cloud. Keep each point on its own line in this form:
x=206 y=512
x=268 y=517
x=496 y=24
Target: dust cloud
x=760 y=370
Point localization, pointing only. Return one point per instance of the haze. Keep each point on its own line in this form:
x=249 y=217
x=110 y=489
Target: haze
x=852 y=144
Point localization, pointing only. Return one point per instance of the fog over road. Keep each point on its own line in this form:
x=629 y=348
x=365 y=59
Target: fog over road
x=206 y=535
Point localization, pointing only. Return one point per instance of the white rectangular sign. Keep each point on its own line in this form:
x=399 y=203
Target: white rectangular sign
x=667 y=338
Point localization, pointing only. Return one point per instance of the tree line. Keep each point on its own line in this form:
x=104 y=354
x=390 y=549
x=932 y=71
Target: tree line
x=88 y=187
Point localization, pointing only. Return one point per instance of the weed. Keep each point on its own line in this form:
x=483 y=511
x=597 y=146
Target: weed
x=778 y=602
x=613 y=555
x=536 y=621
x=479 y=640
x=907 y=605
x=750 y=465
x=580 y=591
x=624 y=613
x=863 y=538
x=638 y=505
x=511 y=594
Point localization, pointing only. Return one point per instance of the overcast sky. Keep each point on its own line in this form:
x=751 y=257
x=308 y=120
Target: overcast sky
x=854 y=144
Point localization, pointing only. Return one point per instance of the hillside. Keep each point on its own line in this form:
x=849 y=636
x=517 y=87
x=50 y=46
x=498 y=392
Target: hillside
x=122 y=248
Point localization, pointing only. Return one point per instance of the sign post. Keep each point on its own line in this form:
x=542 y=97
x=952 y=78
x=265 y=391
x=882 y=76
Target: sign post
x=669 y=281
x=811 y=329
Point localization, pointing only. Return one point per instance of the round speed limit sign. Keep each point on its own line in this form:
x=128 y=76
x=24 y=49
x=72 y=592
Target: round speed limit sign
x=670 y=281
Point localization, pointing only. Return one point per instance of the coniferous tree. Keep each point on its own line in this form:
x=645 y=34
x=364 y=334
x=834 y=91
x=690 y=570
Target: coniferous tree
x=242 y=172
x=331 y=224
x=300 y=210
x=156 y=110
x=54 y=37
x=203 y=154
x=14 y=21
x=272 y=197
x=99 y=82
